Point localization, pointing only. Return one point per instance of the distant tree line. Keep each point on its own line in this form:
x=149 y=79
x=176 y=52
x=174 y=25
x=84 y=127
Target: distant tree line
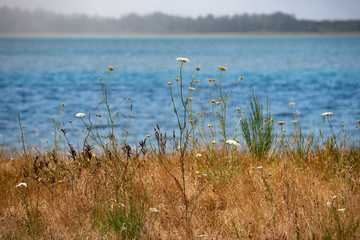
x=16 y=20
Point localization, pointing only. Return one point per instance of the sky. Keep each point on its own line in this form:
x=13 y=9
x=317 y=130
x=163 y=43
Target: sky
x=302 y=9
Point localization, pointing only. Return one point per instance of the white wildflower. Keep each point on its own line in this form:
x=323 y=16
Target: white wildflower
x=154 y=210
x=341 y=209
x=21 y=185
x=198 y=155
x=180 y=59
x=80 y=115
x=327 y=114
x=328 y=204
x=233 y=142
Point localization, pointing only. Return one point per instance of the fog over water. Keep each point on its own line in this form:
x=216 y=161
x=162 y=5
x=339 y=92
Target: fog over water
x=305 y=9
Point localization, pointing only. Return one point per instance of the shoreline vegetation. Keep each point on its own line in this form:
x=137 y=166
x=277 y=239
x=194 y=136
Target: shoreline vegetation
x=20 y=21
x=169 y=35
x=215 y=177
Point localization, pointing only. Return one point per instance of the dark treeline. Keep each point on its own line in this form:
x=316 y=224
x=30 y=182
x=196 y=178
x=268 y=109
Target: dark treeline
x=15 y=20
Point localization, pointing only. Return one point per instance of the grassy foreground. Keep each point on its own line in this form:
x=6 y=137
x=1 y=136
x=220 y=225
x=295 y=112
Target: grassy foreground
x=261 y=201
x=201 y=183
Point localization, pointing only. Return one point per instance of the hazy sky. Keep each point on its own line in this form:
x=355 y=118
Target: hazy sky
x=302 y=9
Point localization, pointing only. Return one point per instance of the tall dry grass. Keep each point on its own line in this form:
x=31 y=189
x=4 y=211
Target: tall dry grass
x=263 y=200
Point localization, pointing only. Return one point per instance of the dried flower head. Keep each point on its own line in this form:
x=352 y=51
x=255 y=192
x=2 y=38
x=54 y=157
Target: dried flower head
x=196 y=81
x=111 y=68
x=198 y=155
x=191 y=89
x=281 y=123
x=191 y=98
x=213 y=142
x=169 y=83
x=294 y=121
x=176 y=79
x=237 y=109
x=222 y=68
x=148 y=135
x=197 y=69
x=292 y=104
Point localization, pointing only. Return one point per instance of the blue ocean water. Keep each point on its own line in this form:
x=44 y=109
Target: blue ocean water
x=318 y=73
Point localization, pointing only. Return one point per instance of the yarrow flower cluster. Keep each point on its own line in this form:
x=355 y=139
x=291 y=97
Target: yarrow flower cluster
x=80 y=115
x=233 y=142
x=327 y=114
x=21 y=185
x=154 y=210
x=184 y=60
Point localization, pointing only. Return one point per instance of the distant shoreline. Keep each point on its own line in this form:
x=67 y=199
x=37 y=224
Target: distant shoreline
x=169 y=35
